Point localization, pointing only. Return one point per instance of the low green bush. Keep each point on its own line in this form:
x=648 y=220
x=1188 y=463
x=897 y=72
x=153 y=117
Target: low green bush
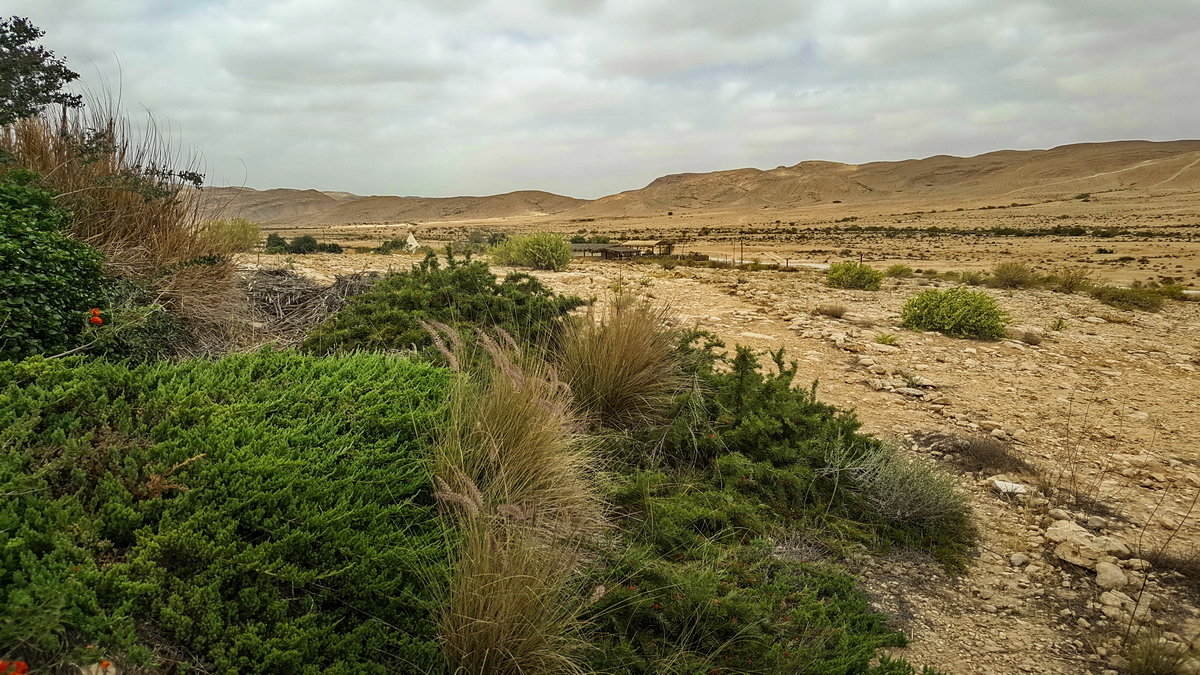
x=959 y=312
x=233 y=235
x=540 y=251
x=301 y=245
x=48 y=281
x=265 y=512
x=853 y=275
x=461 y=294
x=898 y=272
x=1144 y=299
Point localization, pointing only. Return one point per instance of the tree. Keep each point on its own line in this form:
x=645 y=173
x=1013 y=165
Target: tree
x=30 y=76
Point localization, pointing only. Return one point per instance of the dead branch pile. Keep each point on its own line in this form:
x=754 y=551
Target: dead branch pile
x=287 y=304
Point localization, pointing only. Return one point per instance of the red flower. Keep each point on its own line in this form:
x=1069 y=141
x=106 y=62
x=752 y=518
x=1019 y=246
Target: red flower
x=95 y=311
x=105 y=664
x=96 y=321
x=20 y=668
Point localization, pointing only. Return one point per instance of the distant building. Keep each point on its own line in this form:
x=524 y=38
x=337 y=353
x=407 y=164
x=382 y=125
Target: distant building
x=651 y=246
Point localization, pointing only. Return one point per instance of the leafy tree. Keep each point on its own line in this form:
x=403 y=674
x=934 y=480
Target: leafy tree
x=30 y=76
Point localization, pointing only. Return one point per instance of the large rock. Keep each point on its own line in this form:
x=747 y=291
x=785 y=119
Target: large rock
x=1080 y=547
x=1110 y=577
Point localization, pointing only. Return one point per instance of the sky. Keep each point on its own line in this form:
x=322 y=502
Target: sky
x=592 y=97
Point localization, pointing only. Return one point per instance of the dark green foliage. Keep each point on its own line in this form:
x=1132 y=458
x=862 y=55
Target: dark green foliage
x=265 y=512
x=462 y=294
x=751 y=460
x=30 y=77
x=853 y=275
x=276 y=244
x=958 y=312
x=136 y=327
x=48 y=281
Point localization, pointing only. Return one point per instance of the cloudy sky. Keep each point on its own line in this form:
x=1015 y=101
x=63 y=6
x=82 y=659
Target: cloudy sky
x=589 y=97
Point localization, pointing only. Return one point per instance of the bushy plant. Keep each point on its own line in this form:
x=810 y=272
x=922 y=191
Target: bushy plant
x=540 y=251
x=263 y=512
x=1070 y=279
x=973 y=278
x=462 y=294
x=1013 y=275
x=48 y=281
x=958 y=312
x=898 y=271
x=853 y=275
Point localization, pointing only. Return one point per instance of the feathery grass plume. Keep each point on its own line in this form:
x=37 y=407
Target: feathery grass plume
x=622 y=368
x=515 y=482
x=131 y=195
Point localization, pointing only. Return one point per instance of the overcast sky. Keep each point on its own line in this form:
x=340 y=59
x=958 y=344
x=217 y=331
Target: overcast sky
x=590 y=97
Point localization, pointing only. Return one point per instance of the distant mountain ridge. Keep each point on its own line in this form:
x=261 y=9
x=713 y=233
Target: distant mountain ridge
x=1014 y=174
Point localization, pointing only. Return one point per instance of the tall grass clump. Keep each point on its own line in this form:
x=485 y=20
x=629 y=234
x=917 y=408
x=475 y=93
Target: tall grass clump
x=958 y=312
x=131 y=195
x=853 y=275
x=1069 y=279
x=1013 y=275
x=622 y=367
x=540 y=251
x=514 y=481
x=898 y=271
x=1143 y=299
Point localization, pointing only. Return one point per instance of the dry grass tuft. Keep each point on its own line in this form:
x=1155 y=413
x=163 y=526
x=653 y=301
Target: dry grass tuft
x=622 y=368
x=516 y=482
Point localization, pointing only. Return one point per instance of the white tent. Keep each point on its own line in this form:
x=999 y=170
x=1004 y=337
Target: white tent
x=411 y=245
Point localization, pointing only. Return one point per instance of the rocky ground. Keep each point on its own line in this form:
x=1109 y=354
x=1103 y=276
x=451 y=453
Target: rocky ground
x=1085 y=511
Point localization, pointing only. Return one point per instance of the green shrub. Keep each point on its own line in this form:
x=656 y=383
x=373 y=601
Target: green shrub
x=541 y=251
x=276 y=244
x=1144 y=299
x=1013 y=275
x=898 y=272
x=48 y=281
x=973 y=278
x=853 y=275
x=886 y=339
x=958 y=312
x=265 y=512
x=233 y=235
x=461 y=294
x=301 y=245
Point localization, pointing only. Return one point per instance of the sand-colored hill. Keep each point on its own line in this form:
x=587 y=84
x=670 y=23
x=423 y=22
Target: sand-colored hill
x=1002 y=177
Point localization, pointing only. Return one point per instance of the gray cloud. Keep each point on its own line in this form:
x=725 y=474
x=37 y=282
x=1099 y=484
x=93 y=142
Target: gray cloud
x=587 y=97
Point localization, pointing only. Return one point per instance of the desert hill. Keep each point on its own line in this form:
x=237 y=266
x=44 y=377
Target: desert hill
x=1011 y=175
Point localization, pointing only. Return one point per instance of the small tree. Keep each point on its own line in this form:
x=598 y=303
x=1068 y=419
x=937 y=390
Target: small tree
x=30 y=77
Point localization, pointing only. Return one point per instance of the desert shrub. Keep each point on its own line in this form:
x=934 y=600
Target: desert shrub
x=234 y=235
x=461 y=294
x=973 y=278
x=541 y=251
x=853 y=275
x=898 y=272
x=1070 y=279
x=48 y=281
x=834 y=311
x=301 y=245
x=1150 y=653
x=1144 y=299
x=214 y=515
x=130 y=195
x=1013 y=275
x=958 y=312
x=886 y=339
x=276 y=244
x=622 y=367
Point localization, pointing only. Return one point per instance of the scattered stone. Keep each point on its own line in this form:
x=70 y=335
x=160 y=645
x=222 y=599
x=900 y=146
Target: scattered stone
x=1018 y=559
x=1009 y=488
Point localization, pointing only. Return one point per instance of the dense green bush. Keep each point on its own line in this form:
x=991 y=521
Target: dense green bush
x=266 y=512
x=460 y=293
x=853 y=275
x=959 y=312
x=749 y=461
x=48 y=281
x=541 y=251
